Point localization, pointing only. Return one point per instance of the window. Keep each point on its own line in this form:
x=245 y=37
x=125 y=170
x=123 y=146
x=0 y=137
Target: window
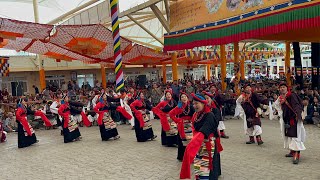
x=84 y=78
x=55 y=80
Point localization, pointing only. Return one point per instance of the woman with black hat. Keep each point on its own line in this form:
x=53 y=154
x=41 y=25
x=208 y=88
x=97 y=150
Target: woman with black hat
x=212 y=103
x=26 y=135
x=69 y=123
x=182 y=115
x=204 y=145
x=108 y=128
x=142 y=124
x=169 y=132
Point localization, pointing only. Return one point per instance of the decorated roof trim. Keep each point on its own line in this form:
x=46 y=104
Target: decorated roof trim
x=250 y=25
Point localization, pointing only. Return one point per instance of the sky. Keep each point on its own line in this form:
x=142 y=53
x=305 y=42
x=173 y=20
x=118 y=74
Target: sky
x=48 y=9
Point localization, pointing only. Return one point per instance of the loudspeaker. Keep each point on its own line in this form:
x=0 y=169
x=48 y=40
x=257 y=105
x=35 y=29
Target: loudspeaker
x=142 y=80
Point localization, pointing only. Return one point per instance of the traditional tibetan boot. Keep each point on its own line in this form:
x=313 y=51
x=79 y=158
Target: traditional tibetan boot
x=251 y=141
x=223 y=135
x=290 y=154
x=259 y=140
x=296 y=157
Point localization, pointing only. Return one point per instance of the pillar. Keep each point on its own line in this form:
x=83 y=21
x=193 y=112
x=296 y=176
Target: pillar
x=208 y=72
x=164 y=73
x=287 y=64
x=315 y=54
x=297 y=63
x=237 y=74
x=42 y=75
x=223 y=66
x=174 y=67
x=103 y=77
x=242 y=69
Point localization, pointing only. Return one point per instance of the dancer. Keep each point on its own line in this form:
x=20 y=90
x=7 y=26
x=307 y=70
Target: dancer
x=70 y=127
x=205 y=144
x=218 y=101
x=248 y=102
x=289 y=108
x=108 y=128
x=216 y=110
x=26 y=135
x=169 y=132
x=142 y=124
x=182 y=115
x=124 y=101
x=54 y=109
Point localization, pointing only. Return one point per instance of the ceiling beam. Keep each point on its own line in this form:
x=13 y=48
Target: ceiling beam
x=129 y=20
x=139 y=37
x=70 y=13
x=166 y=5
x=133 y=24
x=146 y=13
x=161 y=18
x=138 y=8
x=145 y=29
x=143 y=43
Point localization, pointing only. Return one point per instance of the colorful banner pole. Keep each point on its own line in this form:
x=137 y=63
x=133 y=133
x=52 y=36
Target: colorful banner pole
x=116 y=44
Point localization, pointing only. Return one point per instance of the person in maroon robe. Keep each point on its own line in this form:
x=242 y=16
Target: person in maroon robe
x=290 y=108
x=248 y=103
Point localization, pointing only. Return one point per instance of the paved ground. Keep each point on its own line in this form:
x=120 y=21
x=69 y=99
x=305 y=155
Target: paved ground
x=127 y=159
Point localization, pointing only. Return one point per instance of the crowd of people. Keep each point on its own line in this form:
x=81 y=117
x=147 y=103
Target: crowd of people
x=191 y=114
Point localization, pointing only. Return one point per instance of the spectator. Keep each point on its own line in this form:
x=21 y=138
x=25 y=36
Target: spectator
x=70 y=87
x=5 y=95
x=316 y=111
x=189 y=89
x=307 y=111
x=2 y=133
x=176 y=90
x=156 y=94
x=46 y=93
x=64 y=86
x=88 y=87
x=9 y=123
x=76 y=86
x=36 y=89
x=310 y=96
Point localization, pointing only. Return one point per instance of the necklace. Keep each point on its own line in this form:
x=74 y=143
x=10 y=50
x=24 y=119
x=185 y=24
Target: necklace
x=143 y=103
x=199 y=117
x=170 y=103
x=188 y=110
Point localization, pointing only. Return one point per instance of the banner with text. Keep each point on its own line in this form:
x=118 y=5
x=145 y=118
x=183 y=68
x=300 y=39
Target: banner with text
x=189 y=13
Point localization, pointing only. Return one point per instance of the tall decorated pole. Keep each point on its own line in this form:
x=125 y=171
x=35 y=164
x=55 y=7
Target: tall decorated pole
x=116 y=44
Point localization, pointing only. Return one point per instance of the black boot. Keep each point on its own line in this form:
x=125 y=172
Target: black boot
x=296 y=157
x=290 y=154
x=223 y=135
x=251 y=141
x=259 y=140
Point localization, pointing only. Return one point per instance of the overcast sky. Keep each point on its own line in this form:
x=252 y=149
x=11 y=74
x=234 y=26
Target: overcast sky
x=16 y=9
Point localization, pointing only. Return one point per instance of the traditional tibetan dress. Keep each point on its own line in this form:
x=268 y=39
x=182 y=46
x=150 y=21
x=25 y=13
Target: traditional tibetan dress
x=169 y=132
x=182 y=117
x=142 y=123
x=26 y=134
x=204 y=149
x=108 y=128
